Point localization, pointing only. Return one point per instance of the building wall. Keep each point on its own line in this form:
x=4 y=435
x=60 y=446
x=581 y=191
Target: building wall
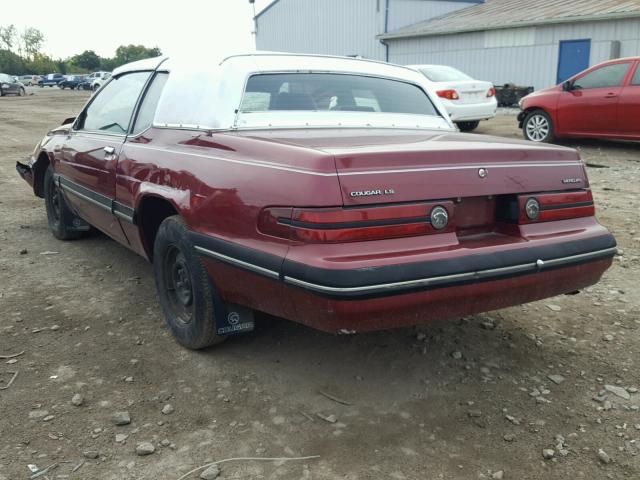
x=332 y=27
x=341 y=27
x=525 y=56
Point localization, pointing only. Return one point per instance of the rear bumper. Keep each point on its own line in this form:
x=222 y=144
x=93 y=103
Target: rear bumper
x=403 y=293
x=471 y=112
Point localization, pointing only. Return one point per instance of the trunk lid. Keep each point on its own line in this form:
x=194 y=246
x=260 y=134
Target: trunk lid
x=451 y=166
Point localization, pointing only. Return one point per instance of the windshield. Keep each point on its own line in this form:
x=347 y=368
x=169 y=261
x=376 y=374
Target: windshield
x=444 y=74
x=325 y=92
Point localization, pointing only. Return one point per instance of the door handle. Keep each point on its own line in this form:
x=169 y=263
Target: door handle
x=611 y=95
x=109 y=150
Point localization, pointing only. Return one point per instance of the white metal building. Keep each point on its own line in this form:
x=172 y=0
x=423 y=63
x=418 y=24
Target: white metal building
x=528 y=42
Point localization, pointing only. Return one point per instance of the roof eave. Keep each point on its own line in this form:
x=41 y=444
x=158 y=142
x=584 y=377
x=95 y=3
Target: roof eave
x=552 y=21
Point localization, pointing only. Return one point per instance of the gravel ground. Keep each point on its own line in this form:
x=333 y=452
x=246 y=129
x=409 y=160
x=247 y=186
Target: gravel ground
x=540 y=391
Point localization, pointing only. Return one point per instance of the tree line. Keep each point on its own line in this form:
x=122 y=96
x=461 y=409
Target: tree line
x=21 y=54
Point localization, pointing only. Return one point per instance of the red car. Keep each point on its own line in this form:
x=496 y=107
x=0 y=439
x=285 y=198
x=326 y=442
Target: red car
x=330 y=191
x=602 y=101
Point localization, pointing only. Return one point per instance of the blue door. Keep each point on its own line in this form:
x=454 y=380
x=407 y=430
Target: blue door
x=572 y=58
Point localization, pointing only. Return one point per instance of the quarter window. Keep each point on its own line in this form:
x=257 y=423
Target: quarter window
x=607 y=76
x=636 y=76
x=111 y=110
x=149 y=103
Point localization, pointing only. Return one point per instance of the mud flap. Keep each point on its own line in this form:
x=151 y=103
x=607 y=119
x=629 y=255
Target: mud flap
x=238 y=319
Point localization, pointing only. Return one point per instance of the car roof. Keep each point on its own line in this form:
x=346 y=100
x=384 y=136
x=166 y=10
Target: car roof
x=195 y=86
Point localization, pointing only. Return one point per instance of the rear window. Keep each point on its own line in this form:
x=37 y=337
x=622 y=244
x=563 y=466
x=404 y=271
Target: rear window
x=324 y=92
x=444 y=74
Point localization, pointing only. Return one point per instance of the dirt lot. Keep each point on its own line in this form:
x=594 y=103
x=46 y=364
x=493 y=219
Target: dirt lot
x=464 y=399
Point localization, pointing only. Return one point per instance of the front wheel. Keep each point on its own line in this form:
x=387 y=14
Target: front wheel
x=467 y=126
x=538 y=127
x=188 y=300
x=59 y=216
x=21 y=92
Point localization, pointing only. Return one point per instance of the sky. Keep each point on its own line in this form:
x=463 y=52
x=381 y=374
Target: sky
x=180 y=28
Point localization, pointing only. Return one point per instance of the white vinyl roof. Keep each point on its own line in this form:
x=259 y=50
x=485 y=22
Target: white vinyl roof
x=208 y=96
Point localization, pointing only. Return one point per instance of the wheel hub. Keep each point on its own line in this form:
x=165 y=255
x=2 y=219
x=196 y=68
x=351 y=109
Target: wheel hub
x=178 y=285
x=182 y=281
x=537 y=128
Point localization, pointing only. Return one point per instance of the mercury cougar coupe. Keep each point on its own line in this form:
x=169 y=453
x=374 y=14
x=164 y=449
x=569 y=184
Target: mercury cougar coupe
x=330 y=191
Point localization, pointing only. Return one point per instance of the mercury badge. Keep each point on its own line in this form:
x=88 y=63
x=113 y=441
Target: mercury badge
x=482 y=173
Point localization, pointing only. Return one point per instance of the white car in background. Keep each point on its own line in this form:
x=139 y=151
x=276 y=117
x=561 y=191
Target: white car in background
x=96 y=79
x=466 y=100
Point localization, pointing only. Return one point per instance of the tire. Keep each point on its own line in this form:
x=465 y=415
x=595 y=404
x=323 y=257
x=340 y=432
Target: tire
x=467 y=126
x=188 y=300
x=1 y=93
x=21 y=92
x=59 y=216
x=538 y=127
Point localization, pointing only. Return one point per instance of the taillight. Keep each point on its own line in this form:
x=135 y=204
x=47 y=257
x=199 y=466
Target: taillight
x=336 y=225
x=491 y=92
x=448 y=94
x=547 y=207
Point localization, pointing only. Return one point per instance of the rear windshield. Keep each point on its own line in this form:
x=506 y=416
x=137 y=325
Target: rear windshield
x=444 y=74
x=333 y=92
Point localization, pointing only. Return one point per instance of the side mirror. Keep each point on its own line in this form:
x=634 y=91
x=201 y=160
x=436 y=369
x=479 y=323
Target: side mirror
x=68 y=120
x=567 y=86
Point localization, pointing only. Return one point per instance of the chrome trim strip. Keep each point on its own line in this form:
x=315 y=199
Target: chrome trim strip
x=235 y=261
x=114 y=207
x=456 y=277
x=464 y=167
x=95 y=202
x=241 y=162
x=372 y=172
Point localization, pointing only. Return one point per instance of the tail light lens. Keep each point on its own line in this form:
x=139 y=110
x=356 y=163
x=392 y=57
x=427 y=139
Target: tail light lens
x=547 y=207
x=448 y=94
x=491 y=92
x=337 y=225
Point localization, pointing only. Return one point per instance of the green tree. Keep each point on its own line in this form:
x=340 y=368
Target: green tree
x=87 y=60
x=8 y=37
x=11 y=63
x=131 y=53
x=32 y=40
x=41 y=65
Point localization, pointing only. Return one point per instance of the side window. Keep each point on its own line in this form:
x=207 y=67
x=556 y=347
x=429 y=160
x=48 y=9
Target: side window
x=608 y=76
x=636 y=76
x=113 y=106
x=149 y=103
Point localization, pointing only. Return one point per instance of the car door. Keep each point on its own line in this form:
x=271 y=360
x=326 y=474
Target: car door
x=629 y=106
x=590 y=106
x=88 y=157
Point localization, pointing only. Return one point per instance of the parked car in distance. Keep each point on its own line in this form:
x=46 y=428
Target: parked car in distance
x=51 y=80
x=295 y=186
x=9 y=85
x=30 y=80
x=98 y=82
x=467 y=101
x=95 y=80
x=600 y=102
x=71 y=81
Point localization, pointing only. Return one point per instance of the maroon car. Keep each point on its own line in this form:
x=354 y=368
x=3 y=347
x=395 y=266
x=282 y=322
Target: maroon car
x=330 y=191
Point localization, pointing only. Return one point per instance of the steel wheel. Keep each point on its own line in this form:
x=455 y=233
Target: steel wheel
x=538 y=127
x=178 y=284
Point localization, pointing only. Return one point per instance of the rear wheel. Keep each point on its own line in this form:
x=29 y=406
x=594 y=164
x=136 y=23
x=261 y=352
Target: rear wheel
x=467 y=126
x=59 y=216
x=538 y=127
x=188 y=300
